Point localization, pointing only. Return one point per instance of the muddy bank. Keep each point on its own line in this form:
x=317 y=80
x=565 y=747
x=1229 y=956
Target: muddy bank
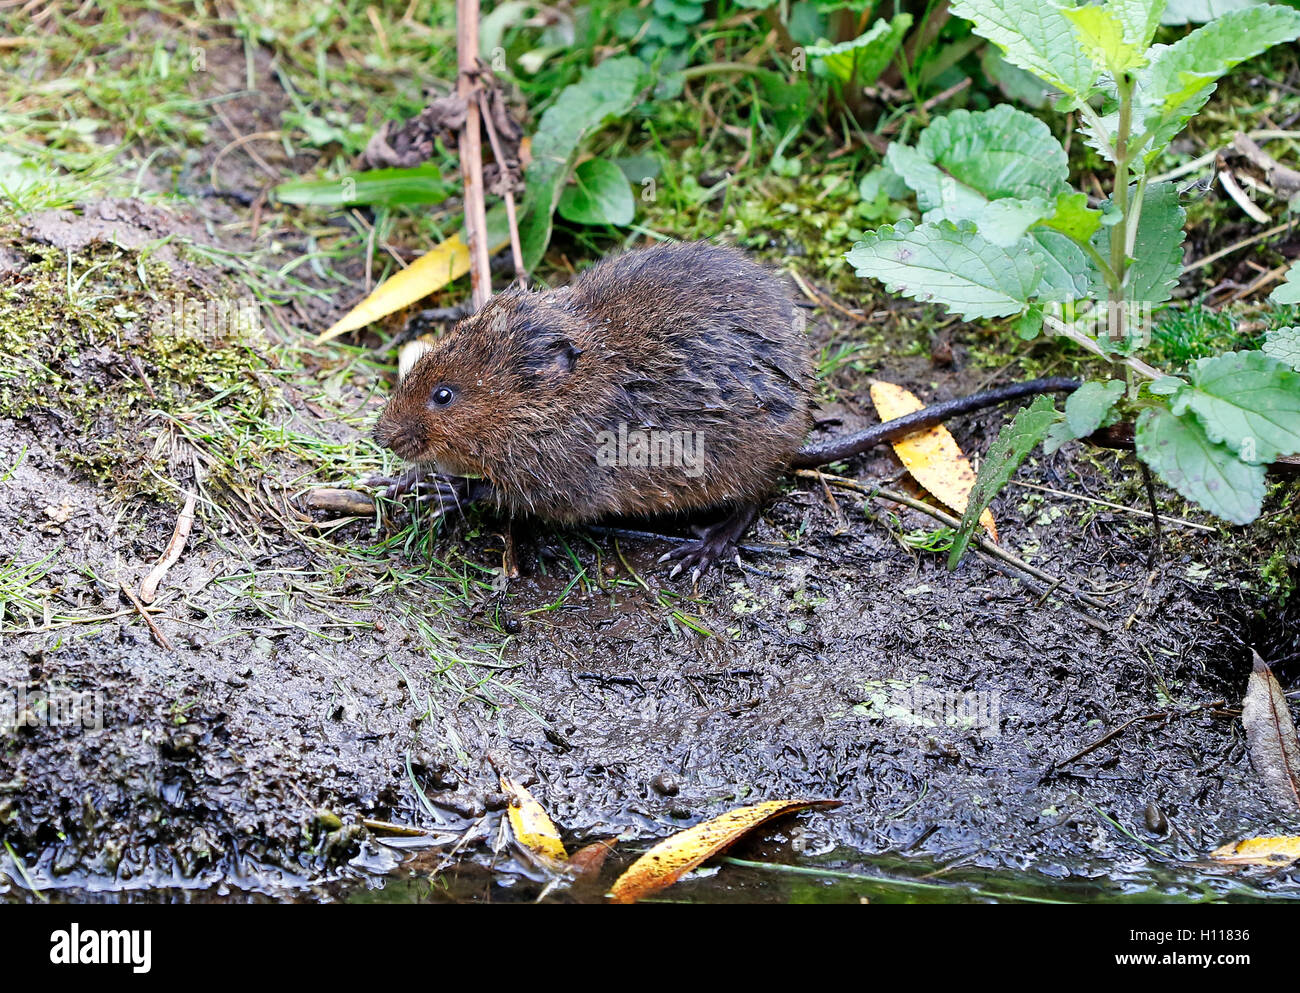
x=305 y=676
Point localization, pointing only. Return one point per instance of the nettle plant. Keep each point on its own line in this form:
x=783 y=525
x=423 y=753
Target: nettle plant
x=1004 y=234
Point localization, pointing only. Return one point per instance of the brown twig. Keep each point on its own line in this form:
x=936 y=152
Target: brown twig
x=171 y=555
x=516 y=251
x=140 y=609
x=471 y=152
x=1116 y=732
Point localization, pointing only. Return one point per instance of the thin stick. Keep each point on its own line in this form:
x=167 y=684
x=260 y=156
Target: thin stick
x=1113 y=506
x=171 y=555
x=996 y=551
x=1244 y=243
x=1157 y=540
x=140 y=609
x=516 y=251
x=1058 y=327
x=471 y=153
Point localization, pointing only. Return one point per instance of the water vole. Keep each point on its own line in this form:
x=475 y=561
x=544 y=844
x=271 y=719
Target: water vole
x=672 y=379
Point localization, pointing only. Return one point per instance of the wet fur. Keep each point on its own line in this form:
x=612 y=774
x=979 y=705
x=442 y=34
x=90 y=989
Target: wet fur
x=688 y=337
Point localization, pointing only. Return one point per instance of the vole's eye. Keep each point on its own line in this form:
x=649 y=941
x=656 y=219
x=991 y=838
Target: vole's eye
x=442 y=396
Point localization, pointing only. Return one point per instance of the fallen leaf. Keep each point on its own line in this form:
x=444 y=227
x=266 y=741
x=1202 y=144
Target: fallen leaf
x=673 y=857
x=1260 y=851
x=431 y=271
x=587 y=861
x=931 y=455
x=1270 y=736
x=532 y=828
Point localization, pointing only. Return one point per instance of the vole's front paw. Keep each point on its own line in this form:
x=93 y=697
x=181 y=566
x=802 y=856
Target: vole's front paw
x=439 y=494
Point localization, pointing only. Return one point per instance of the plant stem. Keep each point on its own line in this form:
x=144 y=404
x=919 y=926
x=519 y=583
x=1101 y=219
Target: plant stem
x=1119 y=197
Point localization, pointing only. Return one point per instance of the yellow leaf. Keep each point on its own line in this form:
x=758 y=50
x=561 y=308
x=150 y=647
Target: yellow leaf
x=531 y=827
x=673 y=857
x=931 y=455
x=1260 y=851
x=431 y=271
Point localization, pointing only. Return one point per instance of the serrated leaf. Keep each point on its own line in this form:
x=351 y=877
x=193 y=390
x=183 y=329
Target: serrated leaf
x=951 y=265
x=1140 y=19
x=1002 y=152
x=604 y=94
x=599 y=195
x=1200 y=11
x=1001 y=169
x=1289 y=290
x=1073 y=217
x=862 y=60
x=1015 y=83
x=1068 y=273
x=1166 y=385
x=1158 y=250
x=1011 y=447
x=1283 y=344
x=1178 y=450
x=1035 y=36
x=1092 y=405
x=1248 y=401
x=1101 y=33
x=1179 y=78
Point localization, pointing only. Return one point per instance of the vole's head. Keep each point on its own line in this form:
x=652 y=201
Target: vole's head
x=481 y=390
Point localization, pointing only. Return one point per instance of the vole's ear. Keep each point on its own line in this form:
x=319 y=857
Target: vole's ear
x=552 y=357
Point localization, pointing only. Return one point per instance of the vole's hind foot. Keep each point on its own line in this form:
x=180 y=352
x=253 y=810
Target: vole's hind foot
x=714 y=543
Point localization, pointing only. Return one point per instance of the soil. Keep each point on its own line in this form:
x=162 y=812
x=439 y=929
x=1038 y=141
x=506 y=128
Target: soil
x=316 y=678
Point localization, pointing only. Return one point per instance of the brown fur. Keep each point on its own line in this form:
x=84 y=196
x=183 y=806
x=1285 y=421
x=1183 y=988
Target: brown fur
x=674 y=338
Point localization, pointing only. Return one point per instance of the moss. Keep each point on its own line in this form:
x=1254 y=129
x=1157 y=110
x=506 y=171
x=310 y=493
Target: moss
x=109 y=346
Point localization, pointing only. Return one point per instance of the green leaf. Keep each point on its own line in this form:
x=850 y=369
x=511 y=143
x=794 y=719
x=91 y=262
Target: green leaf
x=1101 y=33
x=600 y=195
x=1283 y=344
x=1289 y=291
x=1248 y=401
x=1011 y=447
x=1015 y=83
x=604 y=94
x=1068 y=274
x=1206 y=473
x=422 y=184
x=951 y=265
x=1179 y=78
x=1092 y=406
x=1166 y=385
x=862 y=60
x=1140 y=19
x=1035 y=36
x=1003 y=152
x=1000 y=169
x=1158 y=251
x=1073 y=217
x=1030 y=324
x=1200 y=11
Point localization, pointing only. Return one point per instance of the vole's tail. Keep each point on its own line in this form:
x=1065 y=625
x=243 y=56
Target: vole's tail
x=835 y=449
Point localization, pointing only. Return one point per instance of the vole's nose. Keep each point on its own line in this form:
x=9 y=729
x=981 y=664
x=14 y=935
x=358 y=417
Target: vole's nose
x=404 y=439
